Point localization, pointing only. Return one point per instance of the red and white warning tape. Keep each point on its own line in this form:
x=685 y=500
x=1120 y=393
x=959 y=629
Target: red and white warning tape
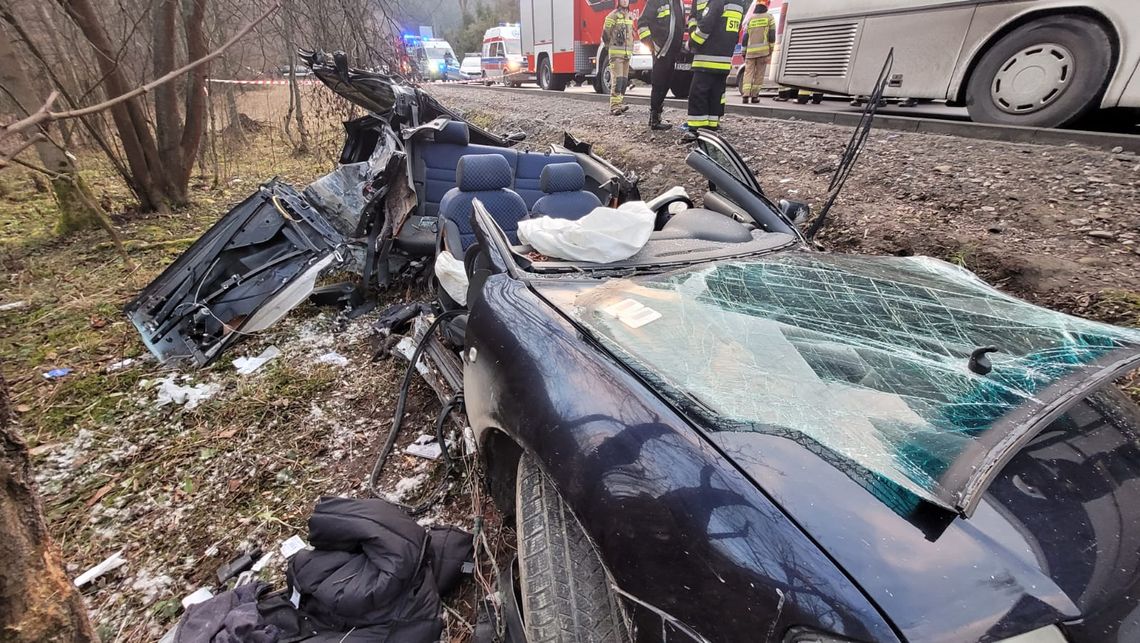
x=281 y=81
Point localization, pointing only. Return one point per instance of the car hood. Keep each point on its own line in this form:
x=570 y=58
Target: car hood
x=843 y=387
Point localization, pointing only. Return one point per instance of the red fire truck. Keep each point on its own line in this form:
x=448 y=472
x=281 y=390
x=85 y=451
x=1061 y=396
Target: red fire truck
x=562 y=42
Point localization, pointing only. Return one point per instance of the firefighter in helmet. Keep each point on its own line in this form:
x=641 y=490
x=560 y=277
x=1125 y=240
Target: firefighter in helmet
x=662 y=27
x=714 y=29
x=619 y=35
x=759 y=36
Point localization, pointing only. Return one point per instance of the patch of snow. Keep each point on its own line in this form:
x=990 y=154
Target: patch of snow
x=334 y=358
x=170 y=391
x=151 y=586
x=405 y=486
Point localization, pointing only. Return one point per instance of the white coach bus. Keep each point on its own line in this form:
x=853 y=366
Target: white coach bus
x=1041 y=63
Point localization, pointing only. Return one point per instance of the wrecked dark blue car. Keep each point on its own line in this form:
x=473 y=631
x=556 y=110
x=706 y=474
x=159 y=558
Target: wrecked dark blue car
x=726 y=436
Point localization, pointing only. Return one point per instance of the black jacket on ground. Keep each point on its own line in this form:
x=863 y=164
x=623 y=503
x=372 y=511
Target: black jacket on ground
x=370 y=570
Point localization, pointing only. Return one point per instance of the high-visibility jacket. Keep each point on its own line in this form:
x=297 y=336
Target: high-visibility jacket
x=759 y=36
x=663 y=22
x=619 y=34
x=715 y=28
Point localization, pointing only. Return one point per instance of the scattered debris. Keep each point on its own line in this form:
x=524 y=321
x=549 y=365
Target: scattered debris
x=1101 y=234
x=120 y=365
x=425 y=446
x=291 y=546
x=200 y=595
x=114 y=561
x=13 y=305
x=238 y=565
x=57 y=373
x=248 y=365
x=170 y=391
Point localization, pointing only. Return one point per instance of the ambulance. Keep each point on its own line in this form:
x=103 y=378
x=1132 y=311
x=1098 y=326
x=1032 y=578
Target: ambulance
x=503 y=59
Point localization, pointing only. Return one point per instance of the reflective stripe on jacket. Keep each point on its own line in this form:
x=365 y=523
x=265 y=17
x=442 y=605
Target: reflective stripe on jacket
x=713 y=38
x=759 y=37
x=618 y=33
x=663 y=22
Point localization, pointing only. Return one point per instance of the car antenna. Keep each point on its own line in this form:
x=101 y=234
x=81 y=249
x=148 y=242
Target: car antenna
x=854 y=146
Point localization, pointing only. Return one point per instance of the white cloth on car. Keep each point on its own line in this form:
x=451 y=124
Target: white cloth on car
x=605 y=235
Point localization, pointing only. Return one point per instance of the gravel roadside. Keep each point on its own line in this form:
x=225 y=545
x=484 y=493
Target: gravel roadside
x=1056 y=225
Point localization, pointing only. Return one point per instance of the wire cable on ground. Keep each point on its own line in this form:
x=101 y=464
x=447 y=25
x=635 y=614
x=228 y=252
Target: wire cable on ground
x=398 y=421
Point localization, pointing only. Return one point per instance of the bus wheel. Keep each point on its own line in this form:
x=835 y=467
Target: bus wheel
x=1047 y=73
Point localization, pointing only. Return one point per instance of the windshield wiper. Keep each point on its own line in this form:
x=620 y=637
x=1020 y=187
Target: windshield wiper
x=854 y=146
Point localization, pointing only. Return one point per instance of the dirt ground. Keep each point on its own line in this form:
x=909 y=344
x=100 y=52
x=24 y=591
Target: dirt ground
x=181 y=489
x=1058 y=226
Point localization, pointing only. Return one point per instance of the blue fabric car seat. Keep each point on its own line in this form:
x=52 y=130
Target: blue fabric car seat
x=565 y=199
x=486 y=177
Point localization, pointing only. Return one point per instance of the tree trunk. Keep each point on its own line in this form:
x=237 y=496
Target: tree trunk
x=37 y=601
x=76 y=212
x=196 y=98
x=300 y=146
x=148 y=177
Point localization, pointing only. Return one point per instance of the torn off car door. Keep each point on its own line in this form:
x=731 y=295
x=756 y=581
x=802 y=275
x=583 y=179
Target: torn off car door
x=257 y=263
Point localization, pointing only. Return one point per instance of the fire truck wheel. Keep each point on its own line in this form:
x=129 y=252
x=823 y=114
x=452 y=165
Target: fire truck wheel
x=547 y=79
x=602 y=80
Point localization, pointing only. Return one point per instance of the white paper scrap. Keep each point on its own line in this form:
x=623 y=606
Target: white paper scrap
x=292 y=545
x=114 y=561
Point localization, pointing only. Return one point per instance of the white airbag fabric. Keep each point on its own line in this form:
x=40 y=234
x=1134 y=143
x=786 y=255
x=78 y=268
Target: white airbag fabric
x=604 y=235
x=452 y=277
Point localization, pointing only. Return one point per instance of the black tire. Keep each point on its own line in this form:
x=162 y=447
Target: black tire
x=1087 y=73
x=565 y=588
x=547 y=79
x=602 y=80
x=680 y=83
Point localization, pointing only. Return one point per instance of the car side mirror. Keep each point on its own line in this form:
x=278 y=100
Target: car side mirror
x=796 y=211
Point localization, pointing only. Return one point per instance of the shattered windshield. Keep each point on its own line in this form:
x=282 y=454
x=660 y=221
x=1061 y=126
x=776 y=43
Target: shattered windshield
x=862 y=359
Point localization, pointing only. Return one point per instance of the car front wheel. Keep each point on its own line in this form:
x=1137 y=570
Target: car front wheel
x=565 y=587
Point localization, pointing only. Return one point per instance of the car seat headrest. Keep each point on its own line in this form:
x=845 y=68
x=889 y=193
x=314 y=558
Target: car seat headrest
x=562 y=177
x=482 y=172
x=454 y=132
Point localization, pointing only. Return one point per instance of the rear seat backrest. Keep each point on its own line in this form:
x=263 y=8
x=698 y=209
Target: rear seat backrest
x=436 y=162
x=528 y=173
x=563 y=184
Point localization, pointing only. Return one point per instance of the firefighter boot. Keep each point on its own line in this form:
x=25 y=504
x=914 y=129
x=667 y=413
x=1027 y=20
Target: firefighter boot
x=656 y=123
